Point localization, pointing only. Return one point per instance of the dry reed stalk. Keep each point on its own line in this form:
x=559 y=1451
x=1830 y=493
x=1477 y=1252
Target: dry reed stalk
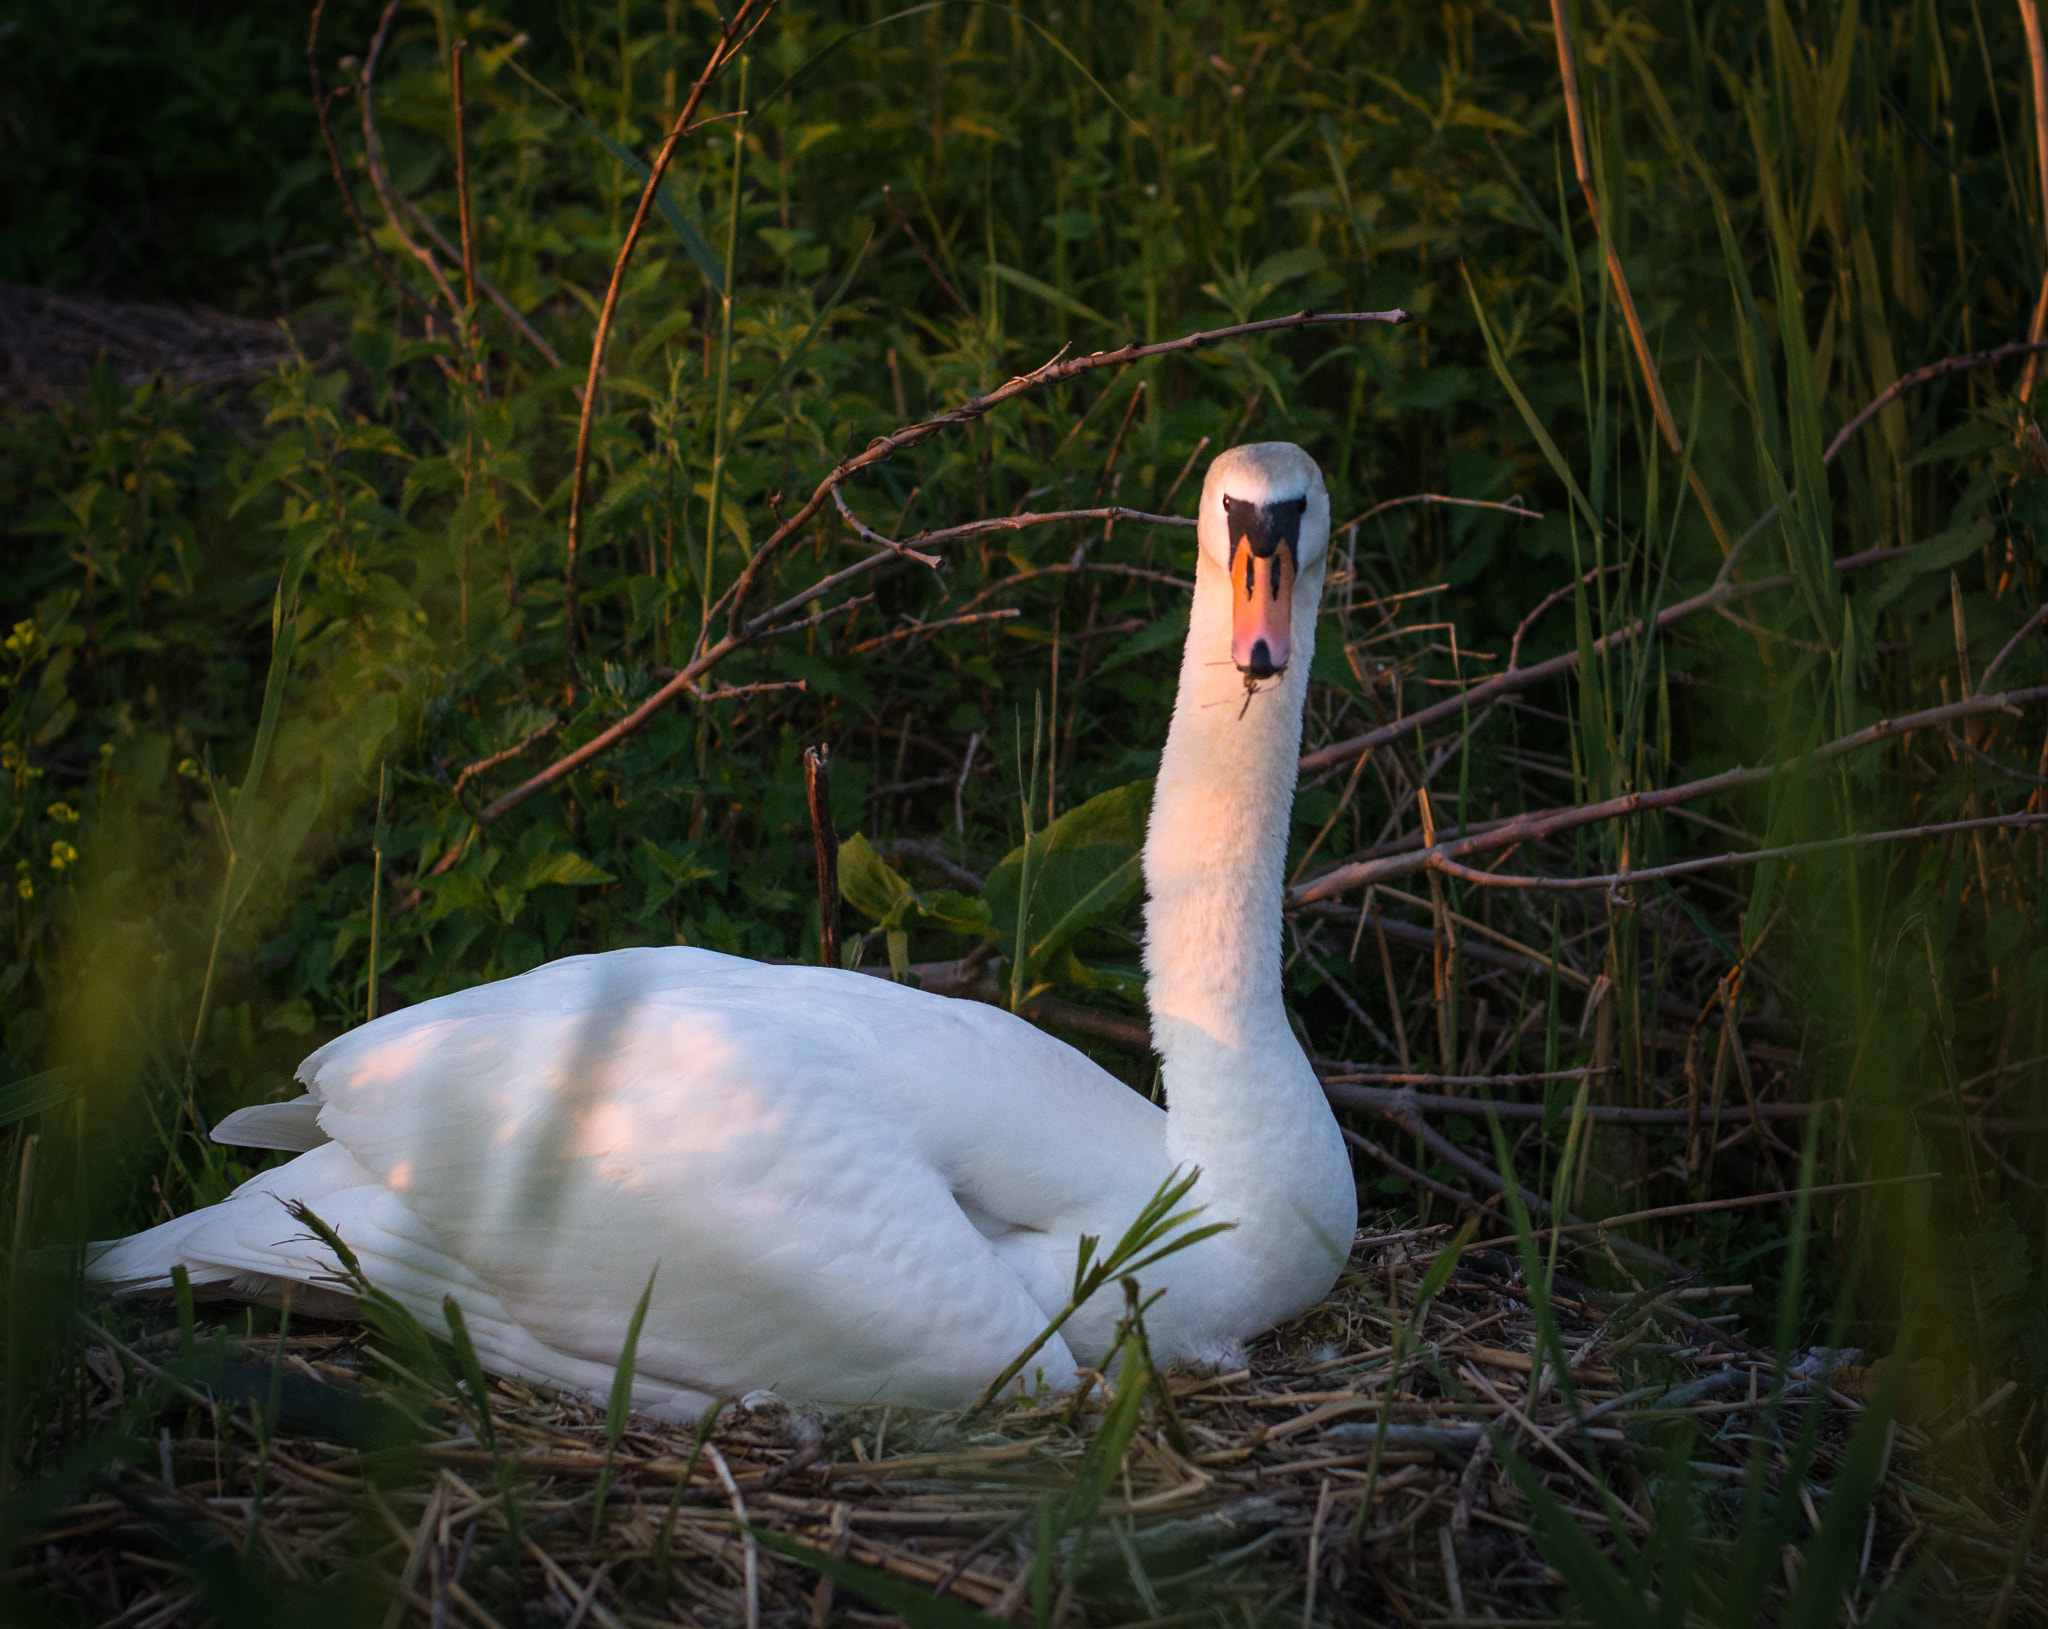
x=1582 y=163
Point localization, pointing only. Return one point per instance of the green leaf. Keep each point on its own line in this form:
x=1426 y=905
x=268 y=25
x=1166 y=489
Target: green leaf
x=1085 y=870
x=31 y=1095
x=1118 y=978
x=917 y=1607
x=1046 y=292
x=1171 y=629
x=870 y=884
x=701 y=252
x=566 y=867
x=1288 y=265
x=622 y=1378
x=879 y=891
x=1105 y=1451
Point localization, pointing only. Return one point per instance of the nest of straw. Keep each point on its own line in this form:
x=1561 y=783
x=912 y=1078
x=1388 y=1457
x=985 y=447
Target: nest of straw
x=1353 y=1470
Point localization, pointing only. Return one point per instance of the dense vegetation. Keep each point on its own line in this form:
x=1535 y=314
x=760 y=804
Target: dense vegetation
x=256 y=656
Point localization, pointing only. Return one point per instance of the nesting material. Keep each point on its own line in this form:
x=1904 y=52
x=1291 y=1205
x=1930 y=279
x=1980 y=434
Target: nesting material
x=1269 y=1493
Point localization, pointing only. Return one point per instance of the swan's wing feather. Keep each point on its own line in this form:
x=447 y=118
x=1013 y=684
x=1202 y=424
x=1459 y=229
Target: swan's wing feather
x=761 y=1139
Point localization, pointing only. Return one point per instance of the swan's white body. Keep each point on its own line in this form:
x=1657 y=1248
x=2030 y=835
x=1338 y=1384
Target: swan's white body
x=847 y=1190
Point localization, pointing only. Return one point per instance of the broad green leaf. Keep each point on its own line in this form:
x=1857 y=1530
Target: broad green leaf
x=870 y=884
x=31 y=1095
x=1119 y=978
x=1085 y=870
x=879 y=891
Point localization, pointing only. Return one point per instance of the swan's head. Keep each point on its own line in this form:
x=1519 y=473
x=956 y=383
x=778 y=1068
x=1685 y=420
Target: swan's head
x=1265 y=522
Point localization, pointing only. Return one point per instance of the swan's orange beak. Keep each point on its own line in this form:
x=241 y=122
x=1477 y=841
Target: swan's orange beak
x=1262 y=610
x=1263 y=538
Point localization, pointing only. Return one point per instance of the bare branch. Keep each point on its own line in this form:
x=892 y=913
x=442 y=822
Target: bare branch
x=1535 y=827
x=1514 y=506
x=1685 y=868
x=1347 y=1095
x=373 y=157
x=1018 y=523
x=917 y=629
x=323 y=100
x=1524 y=678
x=739 y=634
x=1883 y=399
x=2040 y=615
x=876 y=537
x=491 y=291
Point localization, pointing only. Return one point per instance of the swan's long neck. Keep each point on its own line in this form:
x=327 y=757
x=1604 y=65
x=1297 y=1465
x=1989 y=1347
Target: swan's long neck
x=1239 y=1090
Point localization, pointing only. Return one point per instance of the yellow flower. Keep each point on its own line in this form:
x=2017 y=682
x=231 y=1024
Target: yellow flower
x=62 y=813
x=25 y=888
x=23 y=639
x=61 y=855
x=189 y=768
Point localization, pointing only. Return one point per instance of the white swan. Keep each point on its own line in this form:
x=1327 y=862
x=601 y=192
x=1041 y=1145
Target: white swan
x=852 y=1190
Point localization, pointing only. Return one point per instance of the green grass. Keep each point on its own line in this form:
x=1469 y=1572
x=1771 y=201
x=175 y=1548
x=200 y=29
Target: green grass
x=236 y=638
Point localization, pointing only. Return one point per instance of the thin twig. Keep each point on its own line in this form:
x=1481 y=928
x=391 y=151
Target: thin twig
x=462 y=209
x=1514 y=506
x=1550 y=599
x=2037 y=60
x=739 y=633
x=1706 y=1206
x=1527 y=677
x=491 y=291
x=1883 y=399
x=323 y=100
x=876 y=537
x=498 y=758
x=373 y=155
x=2040 y=616
x=1376 y=1099
x=739 y=28
x=916 y=629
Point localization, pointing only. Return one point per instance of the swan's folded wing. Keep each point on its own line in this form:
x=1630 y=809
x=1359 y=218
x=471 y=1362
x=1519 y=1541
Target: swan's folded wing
x=722 y=1135
x=293 y=1127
